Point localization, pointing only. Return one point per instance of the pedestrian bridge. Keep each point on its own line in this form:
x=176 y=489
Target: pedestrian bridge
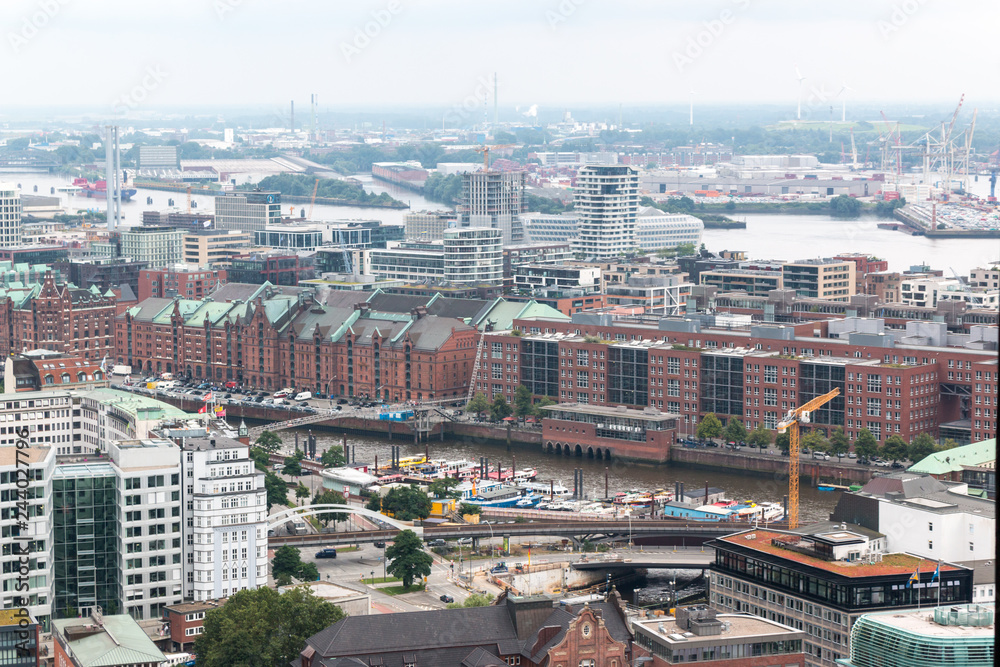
x=684 y=560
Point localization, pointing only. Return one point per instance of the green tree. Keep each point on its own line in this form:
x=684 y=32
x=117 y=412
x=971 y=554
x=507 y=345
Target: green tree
x=407 y=503
x=329 y=497
x=761 y=437
x=839 y=444
x=270 y=442
x=500 y=408
x=709 y=427
x=522 y=402
x=260 y=458
x=301 y=491
x=474 y=600
x=735 y=431
x=293 y=466
x=308 y=572
x=287 y=560
x=469 y=508
x=374 y=503
x=865 y=445
x=407 y=559
x=843 y=206
x=948 y=444
x=444 y=488
x=333 y=457
x=815 y=440
x=536 y=409
x=260 y=628
x=922 y=446
x=479 y=404
x=277 y=490
x=783 y=441
x=894 y=448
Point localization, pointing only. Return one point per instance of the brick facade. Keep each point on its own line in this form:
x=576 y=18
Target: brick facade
x=61 y=319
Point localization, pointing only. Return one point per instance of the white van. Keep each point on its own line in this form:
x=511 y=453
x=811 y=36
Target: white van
x=304 y=396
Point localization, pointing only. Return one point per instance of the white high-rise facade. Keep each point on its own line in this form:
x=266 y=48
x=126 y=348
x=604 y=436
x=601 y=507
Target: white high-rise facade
x=473 y=256
x=494 y=199
x=606 y=199
x=225 y=532
x=10 y=215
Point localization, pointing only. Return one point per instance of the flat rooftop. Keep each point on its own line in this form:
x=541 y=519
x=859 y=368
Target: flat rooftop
x=740 y=627
x=611 y=411
x=916 y=622
x=9 y=455
x=891 y=564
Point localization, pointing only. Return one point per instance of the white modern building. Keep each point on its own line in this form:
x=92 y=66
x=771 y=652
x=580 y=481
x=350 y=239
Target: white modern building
x=655 y=230
x=494 y=199
x=48 y=416
x=473 y=256
x=110 y=415
x=248 y=211
x=150 y=533
x=10 y=215
x=32 y=466
x=925 y=291
x=428 y=225
x=225 y=506
x=157 y=246
x=550 y=228
x=606 y=200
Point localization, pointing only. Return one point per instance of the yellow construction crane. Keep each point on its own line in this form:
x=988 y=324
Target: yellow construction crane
x=790 y=423
x=485 y=150
x=312 y=202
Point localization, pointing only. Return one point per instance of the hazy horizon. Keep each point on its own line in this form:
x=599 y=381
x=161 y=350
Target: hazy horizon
x=127 y=59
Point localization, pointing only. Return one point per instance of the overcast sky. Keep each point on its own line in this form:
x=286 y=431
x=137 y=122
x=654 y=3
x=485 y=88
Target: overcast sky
x=553 y=53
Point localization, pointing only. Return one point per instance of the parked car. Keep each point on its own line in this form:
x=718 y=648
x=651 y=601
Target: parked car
x=852 y=455
x=380 y=545
x=465 y=541
x=447 y=598
x=436 y=543
x=329 y=552
x=231 y=385
x=897 y=465
x=499 y=568
x=862 y=462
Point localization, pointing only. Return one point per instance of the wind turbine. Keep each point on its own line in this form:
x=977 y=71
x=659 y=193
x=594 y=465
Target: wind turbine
x=843 y=102
x=798 y=75
x=691 y=115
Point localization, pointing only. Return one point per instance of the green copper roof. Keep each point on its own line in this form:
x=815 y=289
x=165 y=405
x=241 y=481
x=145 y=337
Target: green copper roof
x=122 y=643
x=952 y=460
x=137 y=403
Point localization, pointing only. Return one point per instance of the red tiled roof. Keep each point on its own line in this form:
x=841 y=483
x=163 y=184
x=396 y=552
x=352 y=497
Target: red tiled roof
x=891 y=564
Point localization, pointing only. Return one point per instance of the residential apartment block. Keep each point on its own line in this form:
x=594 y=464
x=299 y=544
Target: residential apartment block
x=190 y=281
x=827 y=279
x=156 y=246
x=606 y=198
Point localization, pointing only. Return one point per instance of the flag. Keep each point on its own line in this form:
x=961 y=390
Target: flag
x=937 y=573
x=221 y=414
x=208 y=397
x=914 y=578
x=207 y=223
x=203 y=409
x=104 y=364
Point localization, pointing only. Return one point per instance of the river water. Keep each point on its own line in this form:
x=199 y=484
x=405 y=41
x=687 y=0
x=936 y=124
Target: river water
x=814 y=505
x=793 y=237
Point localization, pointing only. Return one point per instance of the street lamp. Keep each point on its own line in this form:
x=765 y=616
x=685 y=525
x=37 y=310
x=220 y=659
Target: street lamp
x=373 y=577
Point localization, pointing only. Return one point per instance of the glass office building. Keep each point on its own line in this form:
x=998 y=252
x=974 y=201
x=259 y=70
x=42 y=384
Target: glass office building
x=85 y=535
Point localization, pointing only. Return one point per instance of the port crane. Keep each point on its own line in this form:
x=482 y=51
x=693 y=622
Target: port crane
x=794 y=417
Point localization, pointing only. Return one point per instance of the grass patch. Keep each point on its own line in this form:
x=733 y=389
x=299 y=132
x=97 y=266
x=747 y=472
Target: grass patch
x=341 y=550
x=381 y=580
x=400 y=590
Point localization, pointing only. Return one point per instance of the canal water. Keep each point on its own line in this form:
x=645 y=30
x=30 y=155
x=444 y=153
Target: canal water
x=814 y=505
